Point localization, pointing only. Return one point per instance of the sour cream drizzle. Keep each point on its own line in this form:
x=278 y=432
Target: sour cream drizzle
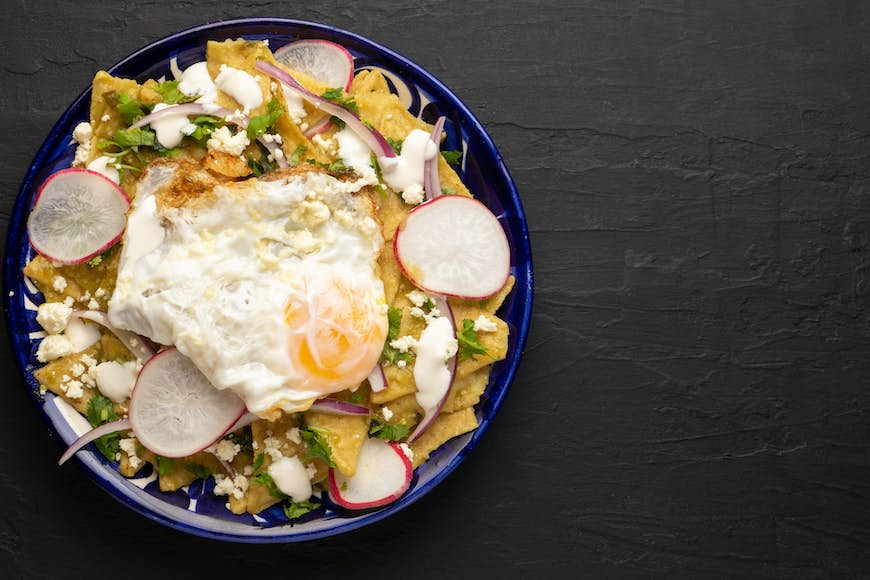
x=436 y=346
x=404 y=173
x=241 y=86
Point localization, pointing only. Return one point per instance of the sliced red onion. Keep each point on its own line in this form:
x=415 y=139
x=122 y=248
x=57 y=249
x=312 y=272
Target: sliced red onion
x=224 y=463
x=189 y=109
x=431 y=414
x=336 y=407
x=431 y=182
x=134 y=343
x=273 y=147
x=377 y=379
x=321 y=127
x=95 y=433
x=177 y=73
x=371 y=137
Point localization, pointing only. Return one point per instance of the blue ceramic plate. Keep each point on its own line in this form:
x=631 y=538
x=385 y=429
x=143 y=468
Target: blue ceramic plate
x=194 y=509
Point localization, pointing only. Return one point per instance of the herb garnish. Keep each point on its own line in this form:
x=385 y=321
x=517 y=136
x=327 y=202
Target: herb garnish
x=391 y=354
x=452 y=157
x=469 y=344
x=383 y=430
x=101 y=410
x=171 y=95
x=262 y=123
x=198 y=471
x=295 y=510
x=337 y=96
x=318 y=447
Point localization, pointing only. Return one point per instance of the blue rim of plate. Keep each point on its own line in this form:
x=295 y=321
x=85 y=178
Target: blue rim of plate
x=483 y=171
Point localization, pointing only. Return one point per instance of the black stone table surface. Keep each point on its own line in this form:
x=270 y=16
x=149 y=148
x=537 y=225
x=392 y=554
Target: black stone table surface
x=693 y=400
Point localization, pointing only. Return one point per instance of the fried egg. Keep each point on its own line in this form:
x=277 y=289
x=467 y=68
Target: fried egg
x=270 y=286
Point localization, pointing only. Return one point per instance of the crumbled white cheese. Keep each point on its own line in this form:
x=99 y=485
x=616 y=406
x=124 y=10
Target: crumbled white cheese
x=53 y=316
x=52 y=347
x=224 y=141
x=401 y=364
x=273 y=448
x=417 y=312
x=226 y=449
x=417 y=298
x=413 y=194
x=100 y=292
x=106 y=117
x=93 y=304
x=231 y=486
x=484 y=324
x=77 y=369
x=82 y=135
x=128 y=446
x=58 y=283
x=325 y=143
x=403 y=343
x=294 y=435
x=74 y=389
x=387 y=413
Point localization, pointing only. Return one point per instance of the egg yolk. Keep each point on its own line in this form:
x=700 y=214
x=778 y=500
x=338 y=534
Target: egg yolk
x=337 y=333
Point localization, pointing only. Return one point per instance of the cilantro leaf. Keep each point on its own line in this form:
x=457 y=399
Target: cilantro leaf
x=171 y=95
x=199 y=471
x=262 y=123
x=125 y=138
x=129 y=108
x=101 y=410
x=338 y=122
x=396 y=145
x=205 y=126
x=448 y=190
x=259 y=166
x=337 y=96
x=258 y=462
x=391 y=354
x=295 y=510
x=383 y=430
x=337 y=166
x=469 y=344
x=297 y=155
x=242 y=438
x=318 y=447
x=266 y=480
x=165 y=465
x=356 y=398
x=452 y=157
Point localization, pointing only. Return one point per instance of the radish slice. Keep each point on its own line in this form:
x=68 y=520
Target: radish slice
x=95 y=433
x=175 y=411
x=383 y=474
x=322 y=60
x=453 y=245
x=377 y=379
x=336 y=407
x=137 y=345
x=78 y=214
x=370 y=136
x=433 y=381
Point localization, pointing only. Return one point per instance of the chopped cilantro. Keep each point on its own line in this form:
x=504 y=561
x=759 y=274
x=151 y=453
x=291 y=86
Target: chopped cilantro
x=258 y=462
x=259 y=166
x=101 y=410
x=337 y=166
x=390 y=354
x=205 y=126
x=469 y=344
x=95 y=261
x=125 y=138
x=338 y=122
x=448 y=190
x=337 y=96
x=297 y=155
x=386 y=431
x=170 y=93
x=356 y=398
x=295 y=510
x=396 y=145
x=262 y=123
x=130 y=109
x=318 y=447
x=452 y=157
x=266 y=480
x=199 y=471
x=242 y=438
x=165 y=465
x=373 y=160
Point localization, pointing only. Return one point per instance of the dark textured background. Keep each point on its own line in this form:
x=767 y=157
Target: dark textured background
x=693 y=399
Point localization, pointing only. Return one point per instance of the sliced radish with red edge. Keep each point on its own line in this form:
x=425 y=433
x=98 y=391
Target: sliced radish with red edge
x=175 y=411
x=383 y=474
x=78 y=214
x=453 y=245
x=322 y=60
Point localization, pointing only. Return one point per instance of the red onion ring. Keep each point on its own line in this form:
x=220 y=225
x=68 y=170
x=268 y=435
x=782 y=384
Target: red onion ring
x=95 y=433
x=431 y=183
x=377 y=379
x=318 y=128
x=336 y=407
x=371 y=137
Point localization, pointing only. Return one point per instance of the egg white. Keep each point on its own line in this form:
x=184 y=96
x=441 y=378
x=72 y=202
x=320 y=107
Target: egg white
x=212 y=277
